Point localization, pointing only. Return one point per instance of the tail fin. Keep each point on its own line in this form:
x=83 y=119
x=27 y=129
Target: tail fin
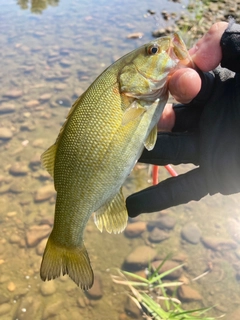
x=74 y=261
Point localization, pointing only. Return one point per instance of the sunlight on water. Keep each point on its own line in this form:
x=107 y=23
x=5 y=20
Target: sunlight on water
x=50 y=53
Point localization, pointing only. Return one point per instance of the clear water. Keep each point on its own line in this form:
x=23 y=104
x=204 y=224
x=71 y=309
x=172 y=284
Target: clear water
x=47 y=59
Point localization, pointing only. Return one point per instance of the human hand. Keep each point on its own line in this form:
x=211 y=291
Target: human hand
x=204 y=133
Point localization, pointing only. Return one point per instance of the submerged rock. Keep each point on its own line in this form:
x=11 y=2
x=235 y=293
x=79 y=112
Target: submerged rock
x=135 y=229
x=5 y=134
x=48 y=288
x=218 y=244
x=5 y=308
x=163 y=222
x=167 y=266
x=157 y=235
x=132 y=309
x=44 y=193
x=36 y=233
x=191 y=233
x=18 y=169
x=96 y=291
x=188 y=294
x=7 y=108
x=13 y=94
x=141 y=255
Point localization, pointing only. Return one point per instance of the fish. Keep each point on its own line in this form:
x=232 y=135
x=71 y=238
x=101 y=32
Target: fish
x=102 y=138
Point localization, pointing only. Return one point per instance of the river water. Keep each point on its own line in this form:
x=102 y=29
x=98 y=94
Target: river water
x=50 y=53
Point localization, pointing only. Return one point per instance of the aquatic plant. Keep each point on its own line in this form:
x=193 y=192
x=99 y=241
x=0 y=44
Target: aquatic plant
x=148 y=292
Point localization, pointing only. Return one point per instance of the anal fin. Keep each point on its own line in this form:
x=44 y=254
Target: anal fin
x=112 y=215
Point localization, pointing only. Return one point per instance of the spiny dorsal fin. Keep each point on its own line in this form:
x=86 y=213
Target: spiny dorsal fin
x=112 y=215
x=151 y=139
x=134 y=111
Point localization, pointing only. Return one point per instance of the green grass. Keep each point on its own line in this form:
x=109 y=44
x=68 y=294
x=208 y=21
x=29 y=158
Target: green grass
x=147 y=293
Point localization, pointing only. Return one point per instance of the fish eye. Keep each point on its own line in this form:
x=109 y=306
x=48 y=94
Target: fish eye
x=153 y=49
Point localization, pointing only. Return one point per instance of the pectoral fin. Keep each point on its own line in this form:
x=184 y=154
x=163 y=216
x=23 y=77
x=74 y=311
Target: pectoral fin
x=134 y=111
x=48 y=159
x=151 y=139
x=112 y=215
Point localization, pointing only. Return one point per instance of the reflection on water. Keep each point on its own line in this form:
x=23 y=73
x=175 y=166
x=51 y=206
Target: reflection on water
x=46 y=62
x=36 y=6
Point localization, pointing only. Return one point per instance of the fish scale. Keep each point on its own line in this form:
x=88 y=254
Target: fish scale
x=98 y=146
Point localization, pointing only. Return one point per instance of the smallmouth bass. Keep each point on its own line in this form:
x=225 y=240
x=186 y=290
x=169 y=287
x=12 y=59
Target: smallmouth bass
x=98 y=146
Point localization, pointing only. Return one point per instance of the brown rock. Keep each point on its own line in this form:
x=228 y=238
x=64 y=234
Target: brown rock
x=135 y=35
x=135 y=229
x=141 y=256
x=7 y=108
x=157 y=235
x=44 y=193
x=36 y=233
x=132 y=309
x=45 y=97
x=32 y=104
x=167 y=266
x=5 y=133
x=191 y=233
x=96 y=291
x=18 y=169
x=41 y=247
x=218 y=244
x=188 y=294
x=48 y=288
x=13 y=94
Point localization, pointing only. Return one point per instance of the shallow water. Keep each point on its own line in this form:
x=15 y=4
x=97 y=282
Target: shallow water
x=47 y=60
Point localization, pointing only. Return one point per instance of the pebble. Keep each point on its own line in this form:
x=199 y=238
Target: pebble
x=28 y=308
x=62 y=101
x=132 y=309
x=141 y=256
x=81 y=302
x=65 y=63
x=14 y=238
x=96 y=291
x=45 y=97
x=163 y=222
x=18 y=169
x=13 y=94
x=5 y=308
x=234 y=229
x=191 y=233
x=48 y=288
x=11 y=286
x=188 y=294
x=36 y=233
x=32 y=104
x=5 y=134
x=7 y=108
x=157 y=235
x=44 y=193
x=218 y=244
x=135 y=229
x=35 y=160
x=4 y=188
x=52 y=310
x=16 y=187
x=135 y=35
x=41 y=247
x=167 y=266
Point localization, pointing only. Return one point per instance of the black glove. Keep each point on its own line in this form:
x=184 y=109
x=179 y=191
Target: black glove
x=206 y=134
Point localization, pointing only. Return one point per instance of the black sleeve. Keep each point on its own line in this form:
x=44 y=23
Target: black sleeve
x=230 y=44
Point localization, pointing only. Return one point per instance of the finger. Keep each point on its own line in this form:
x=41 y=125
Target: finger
x=169 y=193
x=167 y=119
x=173 y=148
x=207 y=52
x=184 y=84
